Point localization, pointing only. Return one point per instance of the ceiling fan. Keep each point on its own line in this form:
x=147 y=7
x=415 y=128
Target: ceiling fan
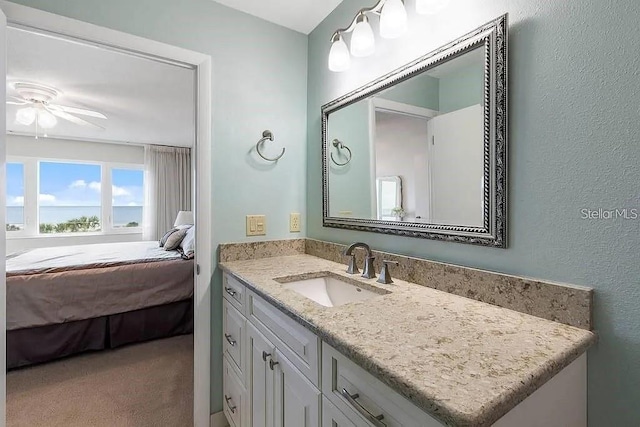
x=38 y=108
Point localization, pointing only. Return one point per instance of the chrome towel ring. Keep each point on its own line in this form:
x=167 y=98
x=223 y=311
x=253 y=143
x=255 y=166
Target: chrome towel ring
x=339 y=145
x=267 y=134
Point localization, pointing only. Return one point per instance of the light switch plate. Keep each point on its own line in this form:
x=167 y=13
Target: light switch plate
x=256 y=225
x=294 y=222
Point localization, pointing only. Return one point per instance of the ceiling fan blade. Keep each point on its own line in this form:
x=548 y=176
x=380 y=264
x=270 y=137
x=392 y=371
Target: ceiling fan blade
x=18 y=99
x=17 y=103
x=72 y=119
x=79 y=111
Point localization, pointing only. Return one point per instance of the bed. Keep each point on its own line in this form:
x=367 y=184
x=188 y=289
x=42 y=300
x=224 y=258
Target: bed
x=66 y=300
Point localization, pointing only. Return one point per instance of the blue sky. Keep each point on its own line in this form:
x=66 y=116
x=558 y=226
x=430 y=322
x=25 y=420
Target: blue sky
x=65 y=184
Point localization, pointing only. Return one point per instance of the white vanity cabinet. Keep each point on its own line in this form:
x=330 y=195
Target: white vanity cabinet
x=261 y=379
x=275 y=392
x=363 y=399
x=280 y=394
x=277 y=373
x=297 y=400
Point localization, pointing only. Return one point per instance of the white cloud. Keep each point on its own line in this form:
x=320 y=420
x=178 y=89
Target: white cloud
x=80 y=183
x=96 y=186
x=15 y=201
x=50 y=198
x=119 y=191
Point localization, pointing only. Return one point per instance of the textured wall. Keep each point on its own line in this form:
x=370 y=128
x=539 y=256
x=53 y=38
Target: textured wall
x=259 y=82
x=574 y=125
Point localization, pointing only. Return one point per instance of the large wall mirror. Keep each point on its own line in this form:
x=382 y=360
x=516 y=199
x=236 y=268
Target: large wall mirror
x=422 y=151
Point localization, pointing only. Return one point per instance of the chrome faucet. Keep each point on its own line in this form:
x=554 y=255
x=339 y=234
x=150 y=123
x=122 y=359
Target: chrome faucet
x=369 y=270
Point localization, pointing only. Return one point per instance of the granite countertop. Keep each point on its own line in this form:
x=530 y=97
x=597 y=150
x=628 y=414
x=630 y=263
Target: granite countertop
x=465 y=362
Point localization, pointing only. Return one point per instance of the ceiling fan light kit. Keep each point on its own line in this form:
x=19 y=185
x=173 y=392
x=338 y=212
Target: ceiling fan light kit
x=38 y=108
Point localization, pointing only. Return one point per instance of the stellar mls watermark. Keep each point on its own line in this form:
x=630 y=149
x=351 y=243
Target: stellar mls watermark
x=610 y=214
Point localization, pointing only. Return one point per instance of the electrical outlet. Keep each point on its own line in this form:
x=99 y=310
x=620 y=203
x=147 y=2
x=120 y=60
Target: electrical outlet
x=256 y=225
x=294 y=222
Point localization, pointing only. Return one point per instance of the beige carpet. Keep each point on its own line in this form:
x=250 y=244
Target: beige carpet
x=149 y=384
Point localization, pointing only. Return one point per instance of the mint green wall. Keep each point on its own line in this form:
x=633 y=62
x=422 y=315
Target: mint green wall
x=462 y=89
x=350 y=185
x=574 y=144
x=259 y=82
x=421 y=91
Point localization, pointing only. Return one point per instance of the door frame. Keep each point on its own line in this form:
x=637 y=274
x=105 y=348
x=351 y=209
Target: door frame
x=26 y=17
x=389 y=106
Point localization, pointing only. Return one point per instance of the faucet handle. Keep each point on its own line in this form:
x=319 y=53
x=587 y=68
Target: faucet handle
x=385 y=274
x=369 y=270
x=352 y=268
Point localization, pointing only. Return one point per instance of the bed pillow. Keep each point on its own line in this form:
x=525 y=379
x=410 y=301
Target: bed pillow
x=188 y=244
x=166 y=236
x=174 y=240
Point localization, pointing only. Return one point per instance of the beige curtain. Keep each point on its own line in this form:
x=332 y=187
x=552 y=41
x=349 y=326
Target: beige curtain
x=168 y=188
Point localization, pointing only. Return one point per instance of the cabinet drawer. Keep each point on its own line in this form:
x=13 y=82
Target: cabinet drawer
x=233 y=291
x=360 y=396
x=301 y=346
x=233 y=335
x=235 y=396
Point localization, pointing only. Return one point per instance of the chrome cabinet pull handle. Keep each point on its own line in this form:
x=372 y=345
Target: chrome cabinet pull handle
x=265 y=355
x=229 y=403
x=376 y=420
x=230 y=291
x=272 y=364
x=231 y=342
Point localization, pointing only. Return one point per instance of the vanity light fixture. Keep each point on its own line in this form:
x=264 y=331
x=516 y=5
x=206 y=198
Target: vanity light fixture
x=363 y=42
x=339 y=58
x=393 y=19
x=393 y=23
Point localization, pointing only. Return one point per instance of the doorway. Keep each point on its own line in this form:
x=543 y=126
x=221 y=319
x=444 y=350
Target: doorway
x=23 y=17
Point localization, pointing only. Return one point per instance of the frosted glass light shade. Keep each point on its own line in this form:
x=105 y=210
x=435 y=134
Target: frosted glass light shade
x=363 y=42
x=393 y=19
x=46 y=120
x=26 y=116
x=339 y=57
x=184 y=218
x=430 y=7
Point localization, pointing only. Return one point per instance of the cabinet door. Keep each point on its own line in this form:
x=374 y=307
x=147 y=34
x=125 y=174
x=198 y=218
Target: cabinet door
x=297 y=400
x=332 y=417
x=261 y=386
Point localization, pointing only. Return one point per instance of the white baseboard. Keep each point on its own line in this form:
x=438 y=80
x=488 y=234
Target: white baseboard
x=219 y=420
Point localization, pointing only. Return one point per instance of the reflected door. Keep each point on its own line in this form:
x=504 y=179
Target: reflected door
x=456 y=165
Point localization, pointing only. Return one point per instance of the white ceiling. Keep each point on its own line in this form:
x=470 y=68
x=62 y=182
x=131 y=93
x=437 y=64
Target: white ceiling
x=145 y=101
x=299 y=15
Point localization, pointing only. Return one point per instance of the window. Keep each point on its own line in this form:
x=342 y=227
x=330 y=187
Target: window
x=15 y=197
x=59 y=197
x=69 y=197
x=127 y=197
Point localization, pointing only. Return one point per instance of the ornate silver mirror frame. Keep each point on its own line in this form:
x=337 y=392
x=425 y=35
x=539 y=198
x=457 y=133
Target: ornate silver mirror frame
x=493 y=37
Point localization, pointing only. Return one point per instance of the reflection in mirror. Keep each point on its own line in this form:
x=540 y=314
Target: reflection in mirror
x=427 y=131
x=389 y=198
x=422 y=151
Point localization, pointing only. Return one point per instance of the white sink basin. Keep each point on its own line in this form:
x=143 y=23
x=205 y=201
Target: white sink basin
x=330 y=291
